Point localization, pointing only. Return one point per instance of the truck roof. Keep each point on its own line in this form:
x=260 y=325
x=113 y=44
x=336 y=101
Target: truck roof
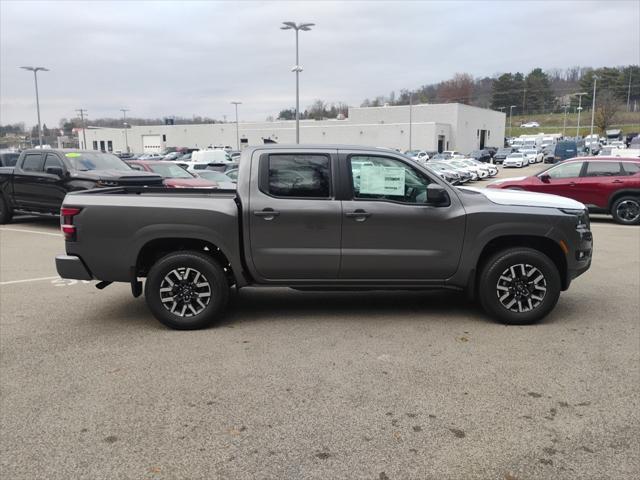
x=328 y=146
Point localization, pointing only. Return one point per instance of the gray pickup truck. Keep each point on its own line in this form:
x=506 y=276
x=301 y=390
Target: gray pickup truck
x=327 y=218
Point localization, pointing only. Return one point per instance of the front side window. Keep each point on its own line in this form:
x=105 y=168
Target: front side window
x=567 y=170
x=33 y=162
x=52 y=161
x=603 y=169
x=299 y=175
x=384 y=178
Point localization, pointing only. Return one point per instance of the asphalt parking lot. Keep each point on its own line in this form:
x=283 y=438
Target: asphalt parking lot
x=317 y=385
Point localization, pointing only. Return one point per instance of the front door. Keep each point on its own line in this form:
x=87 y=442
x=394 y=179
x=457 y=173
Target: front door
x=53 y=191
x=563 y=180
x=389 y=231
x=294 y=220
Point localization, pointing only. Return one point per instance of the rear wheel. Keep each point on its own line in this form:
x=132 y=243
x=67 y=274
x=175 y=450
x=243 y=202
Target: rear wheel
x=5 y=213
x=186 y=290
x=626 y=210
x=519 y=286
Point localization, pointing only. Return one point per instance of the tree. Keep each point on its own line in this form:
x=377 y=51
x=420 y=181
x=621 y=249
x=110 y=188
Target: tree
x=287 y=114
x=317 y=111
x=610 y=79
x=539 y=96
x=607 y=106
x=503 y=92
x=459 y=89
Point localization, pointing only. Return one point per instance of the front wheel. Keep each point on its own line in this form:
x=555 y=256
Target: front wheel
x=186 y=290
x=519 y=286
x=626 y=210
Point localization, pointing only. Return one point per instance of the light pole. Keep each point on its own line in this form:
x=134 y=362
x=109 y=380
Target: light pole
x=593 y=109
x=564 y=122
x=82 y=111
x=410 y=117
x=237 y=131
x=579 y=109
x=35 y=78
x=305 y=27
x=124 y=124
x=510 y=116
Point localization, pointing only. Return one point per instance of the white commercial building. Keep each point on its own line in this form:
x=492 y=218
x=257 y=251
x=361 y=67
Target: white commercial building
x=432 y=127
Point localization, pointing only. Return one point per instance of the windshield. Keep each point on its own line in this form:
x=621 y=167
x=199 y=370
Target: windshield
x=84 y=161
x=215 y=176
x=169 y=170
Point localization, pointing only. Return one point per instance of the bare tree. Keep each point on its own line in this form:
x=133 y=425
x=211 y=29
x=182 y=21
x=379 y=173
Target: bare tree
x=607 y=106
x=459 y=89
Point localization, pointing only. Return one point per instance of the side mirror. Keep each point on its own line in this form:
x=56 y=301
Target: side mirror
x=544 y=178
x=55 y=171
x=437 y=195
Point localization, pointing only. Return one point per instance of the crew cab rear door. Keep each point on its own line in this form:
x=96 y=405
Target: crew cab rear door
x=389 y=231
x=27 y=181
x=294 y=219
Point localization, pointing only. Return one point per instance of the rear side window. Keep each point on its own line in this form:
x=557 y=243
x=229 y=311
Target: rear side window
x=33 y=162
x=299 y=175
x=631 y=168
x=603 y=169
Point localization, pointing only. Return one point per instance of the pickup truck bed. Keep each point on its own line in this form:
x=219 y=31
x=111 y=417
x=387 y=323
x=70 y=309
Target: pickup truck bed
x=322 y=217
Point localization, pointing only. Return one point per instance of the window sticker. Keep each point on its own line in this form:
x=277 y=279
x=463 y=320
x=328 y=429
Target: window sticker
x=379 y=180
x=72 y=155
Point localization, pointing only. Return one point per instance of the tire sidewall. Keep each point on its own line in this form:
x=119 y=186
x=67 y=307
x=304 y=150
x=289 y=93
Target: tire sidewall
x=5 y=213
x=614 y=211
x=497 y=264
x=206 y=265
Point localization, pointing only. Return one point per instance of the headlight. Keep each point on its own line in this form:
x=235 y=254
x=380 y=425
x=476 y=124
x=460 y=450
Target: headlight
x=107 y=183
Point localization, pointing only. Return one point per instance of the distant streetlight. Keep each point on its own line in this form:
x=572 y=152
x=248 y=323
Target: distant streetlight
x=410 y=117
x=564 y=122
x=510 y=117
x=305 y=27
x=579 y=109
x=124 y=124
x=35 y=71
x=82 y=111
x=237 y=131
x=593 y=110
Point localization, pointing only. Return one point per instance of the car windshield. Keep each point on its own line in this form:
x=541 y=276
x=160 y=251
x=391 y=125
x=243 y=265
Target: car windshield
x=169 y=170
x=515 y=155
x=84 y=161
x=215 y=176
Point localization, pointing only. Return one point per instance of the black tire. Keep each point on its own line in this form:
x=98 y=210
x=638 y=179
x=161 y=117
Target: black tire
x=5 y=213
x=491 y=286
x=626 y=210
x=163 y=274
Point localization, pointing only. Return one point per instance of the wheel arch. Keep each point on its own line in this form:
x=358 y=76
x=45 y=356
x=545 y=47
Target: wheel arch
x=632 y=192
x=544 y=245
x=155 y=249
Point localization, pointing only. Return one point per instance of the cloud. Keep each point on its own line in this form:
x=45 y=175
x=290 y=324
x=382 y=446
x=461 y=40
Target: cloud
x=184 y=58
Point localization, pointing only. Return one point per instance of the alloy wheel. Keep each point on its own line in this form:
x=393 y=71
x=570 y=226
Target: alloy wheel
x=521 y=288
x=185 y=292
x=628 y=210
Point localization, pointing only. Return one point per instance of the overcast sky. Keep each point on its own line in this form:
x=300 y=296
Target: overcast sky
x=193 y=58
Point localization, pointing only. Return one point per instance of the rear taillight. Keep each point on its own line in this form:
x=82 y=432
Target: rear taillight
x=66 y=222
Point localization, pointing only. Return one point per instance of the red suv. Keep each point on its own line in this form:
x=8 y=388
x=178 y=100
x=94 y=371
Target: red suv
x=603 y=184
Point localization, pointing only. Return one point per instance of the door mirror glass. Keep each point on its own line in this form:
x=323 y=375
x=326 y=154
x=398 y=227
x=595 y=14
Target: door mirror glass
x=55 y=171
x=437 y=195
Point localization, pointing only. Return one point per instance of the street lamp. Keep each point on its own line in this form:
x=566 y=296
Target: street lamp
x=124 y=124
x=35 y=77
x=237 y=132
x=510 y=116
x=579 y=109
x=593 y=110
x=410 y=117
x=564 y=122
x=305 y=27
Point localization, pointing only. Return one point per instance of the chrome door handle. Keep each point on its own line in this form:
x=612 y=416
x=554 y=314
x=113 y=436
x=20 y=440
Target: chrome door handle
x=617 y=181
x=266 y=213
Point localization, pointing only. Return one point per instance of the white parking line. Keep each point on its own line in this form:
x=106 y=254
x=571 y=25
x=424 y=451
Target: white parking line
x=21 y=230
x=41 y=279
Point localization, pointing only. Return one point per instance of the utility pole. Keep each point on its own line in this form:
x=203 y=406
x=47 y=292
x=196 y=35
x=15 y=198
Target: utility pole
x=524 y=100
x=237 y=129
x=629 y=92
x=305 y=27
x=82 y=111
x=410 y=117
x=35 y=71
x=593 y=107
x=579 y=109
x=510 y=116
x=124 y=124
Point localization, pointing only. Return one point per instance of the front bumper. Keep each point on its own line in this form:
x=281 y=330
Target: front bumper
x=70 y=266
